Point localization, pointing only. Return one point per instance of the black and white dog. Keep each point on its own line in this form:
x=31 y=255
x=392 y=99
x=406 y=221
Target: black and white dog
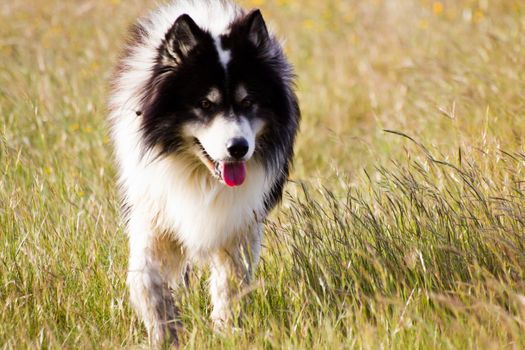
x=203 y=118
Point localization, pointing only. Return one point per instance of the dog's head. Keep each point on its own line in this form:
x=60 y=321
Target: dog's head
x=225 y=99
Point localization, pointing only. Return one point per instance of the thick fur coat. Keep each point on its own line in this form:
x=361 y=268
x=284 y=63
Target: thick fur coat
x=203 y=119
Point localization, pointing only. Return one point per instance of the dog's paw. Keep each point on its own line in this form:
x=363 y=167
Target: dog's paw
x=165 y=336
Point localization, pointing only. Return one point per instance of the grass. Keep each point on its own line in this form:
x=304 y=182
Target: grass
x=404 y=224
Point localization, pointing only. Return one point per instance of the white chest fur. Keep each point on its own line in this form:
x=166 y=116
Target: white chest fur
x=181 y=198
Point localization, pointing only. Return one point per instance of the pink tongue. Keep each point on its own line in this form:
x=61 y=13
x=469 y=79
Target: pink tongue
x=233 y=174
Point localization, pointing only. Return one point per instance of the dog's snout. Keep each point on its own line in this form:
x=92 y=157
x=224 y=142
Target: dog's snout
x=237 y=147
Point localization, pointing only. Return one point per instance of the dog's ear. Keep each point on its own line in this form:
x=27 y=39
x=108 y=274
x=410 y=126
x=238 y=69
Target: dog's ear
x=182 y=37
x=257 y=31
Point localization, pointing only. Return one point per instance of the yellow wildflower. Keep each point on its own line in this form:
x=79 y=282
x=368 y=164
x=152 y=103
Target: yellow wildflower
x=308 y=23
x=423 y=24
x=437 y=7
x=257 y=3
x=478 y=16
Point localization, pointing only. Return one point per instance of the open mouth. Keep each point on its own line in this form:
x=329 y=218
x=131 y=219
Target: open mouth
x=230 y=173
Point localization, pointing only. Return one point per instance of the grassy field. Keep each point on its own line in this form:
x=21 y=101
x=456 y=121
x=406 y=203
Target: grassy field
x=403 y=227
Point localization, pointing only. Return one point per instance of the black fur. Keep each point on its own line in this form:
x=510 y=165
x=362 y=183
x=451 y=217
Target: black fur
x=188 y=65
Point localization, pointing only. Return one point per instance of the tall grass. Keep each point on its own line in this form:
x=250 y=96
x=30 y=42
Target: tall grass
x=422 y=246
x=403 y=225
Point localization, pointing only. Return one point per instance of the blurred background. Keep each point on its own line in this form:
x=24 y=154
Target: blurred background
x=448 y=72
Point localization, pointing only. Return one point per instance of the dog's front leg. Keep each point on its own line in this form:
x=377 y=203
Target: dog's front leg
x=154 y=263
x=231 y=272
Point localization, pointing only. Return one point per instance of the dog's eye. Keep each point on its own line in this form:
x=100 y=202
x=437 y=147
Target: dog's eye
x=205 y=104
x=247 y=102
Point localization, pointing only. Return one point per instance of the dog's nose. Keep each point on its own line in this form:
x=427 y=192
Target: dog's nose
x=237 y=147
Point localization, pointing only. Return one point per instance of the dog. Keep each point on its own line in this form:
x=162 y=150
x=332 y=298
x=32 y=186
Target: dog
x=203 y=117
